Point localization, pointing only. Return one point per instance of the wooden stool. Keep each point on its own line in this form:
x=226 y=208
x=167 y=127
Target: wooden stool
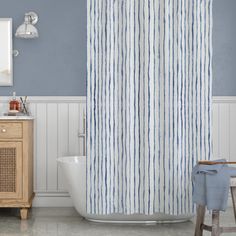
x=215 y=229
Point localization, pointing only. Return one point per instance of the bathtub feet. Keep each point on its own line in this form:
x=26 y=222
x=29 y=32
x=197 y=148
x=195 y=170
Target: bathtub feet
x=24 y=213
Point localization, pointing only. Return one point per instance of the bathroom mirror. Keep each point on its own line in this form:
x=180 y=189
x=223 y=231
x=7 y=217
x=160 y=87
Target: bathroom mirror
x=6 y=67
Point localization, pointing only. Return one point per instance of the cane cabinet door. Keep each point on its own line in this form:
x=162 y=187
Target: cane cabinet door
x=11 y=170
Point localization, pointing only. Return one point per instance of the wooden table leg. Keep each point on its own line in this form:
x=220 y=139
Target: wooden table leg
x=215 y=223
x=24 y=213
x=233 y=194
x=200 y=220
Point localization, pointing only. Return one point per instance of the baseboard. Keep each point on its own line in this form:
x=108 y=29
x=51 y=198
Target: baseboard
x=52 y=200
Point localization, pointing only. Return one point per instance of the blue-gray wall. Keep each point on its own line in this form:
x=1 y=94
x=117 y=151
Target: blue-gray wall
x=224 y=47
x=55 y=64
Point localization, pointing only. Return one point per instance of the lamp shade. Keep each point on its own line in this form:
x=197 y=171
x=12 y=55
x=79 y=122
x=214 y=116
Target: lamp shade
x=27 y=31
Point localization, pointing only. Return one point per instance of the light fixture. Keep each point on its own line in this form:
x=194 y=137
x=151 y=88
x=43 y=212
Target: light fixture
x=27 y=30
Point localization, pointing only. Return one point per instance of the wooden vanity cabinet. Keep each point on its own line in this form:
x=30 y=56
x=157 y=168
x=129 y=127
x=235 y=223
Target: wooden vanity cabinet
x=16 y=164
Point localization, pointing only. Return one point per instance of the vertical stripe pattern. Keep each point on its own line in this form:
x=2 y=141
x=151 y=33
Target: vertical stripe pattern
x=148 y=103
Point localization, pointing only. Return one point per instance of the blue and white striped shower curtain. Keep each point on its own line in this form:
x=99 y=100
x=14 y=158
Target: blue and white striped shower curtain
x=148 y=103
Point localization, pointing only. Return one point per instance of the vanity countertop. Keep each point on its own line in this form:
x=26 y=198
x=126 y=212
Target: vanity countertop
x=16 y=118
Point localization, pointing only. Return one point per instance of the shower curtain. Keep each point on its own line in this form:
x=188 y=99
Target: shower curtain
x=148 y=103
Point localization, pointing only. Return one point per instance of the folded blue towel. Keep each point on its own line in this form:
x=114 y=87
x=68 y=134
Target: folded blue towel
x=211 y=185
x=208 y=169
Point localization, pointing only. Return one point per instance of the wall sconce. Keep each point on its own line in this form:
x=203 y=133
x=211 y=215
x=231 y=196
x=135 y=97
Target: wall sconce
x=27 y=30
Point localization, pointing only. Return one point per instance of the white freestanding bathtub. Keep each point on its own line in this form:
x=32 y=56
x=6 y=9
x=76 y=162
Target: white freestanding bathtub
x=74 y=169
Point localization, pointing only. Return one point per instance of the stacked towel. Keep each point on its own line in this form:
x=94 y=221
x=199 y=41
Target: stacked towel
x=211 y=185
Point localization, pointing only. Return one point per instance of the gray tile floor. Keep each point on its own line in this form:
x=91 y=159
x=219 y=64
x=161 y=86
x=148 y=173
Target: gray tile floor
x=65 y=221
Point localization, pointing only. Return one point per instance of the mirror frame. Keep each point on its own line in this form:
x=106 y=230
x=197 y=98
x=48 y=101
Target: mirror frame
x=8 y=82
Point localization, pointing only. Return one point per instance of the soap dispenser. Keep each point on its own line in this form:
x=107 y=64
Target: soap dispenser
x=14 y=104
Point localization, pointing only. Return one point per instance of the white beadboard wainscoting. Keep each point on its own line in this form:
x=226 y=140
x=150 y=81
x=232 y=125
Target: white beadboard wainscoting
x=60 y=120
x=224 y=128
x=58 y=123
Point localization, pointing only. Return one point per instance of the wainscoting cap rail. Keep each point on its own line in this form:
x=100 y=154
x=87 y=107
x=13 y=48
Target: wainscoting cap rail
x=82 y=99
x=51 y=99
x=224 y=99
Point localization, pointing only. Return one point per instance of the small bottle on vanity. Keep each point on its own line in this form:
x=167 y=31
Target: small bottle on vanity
x=14 y=104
